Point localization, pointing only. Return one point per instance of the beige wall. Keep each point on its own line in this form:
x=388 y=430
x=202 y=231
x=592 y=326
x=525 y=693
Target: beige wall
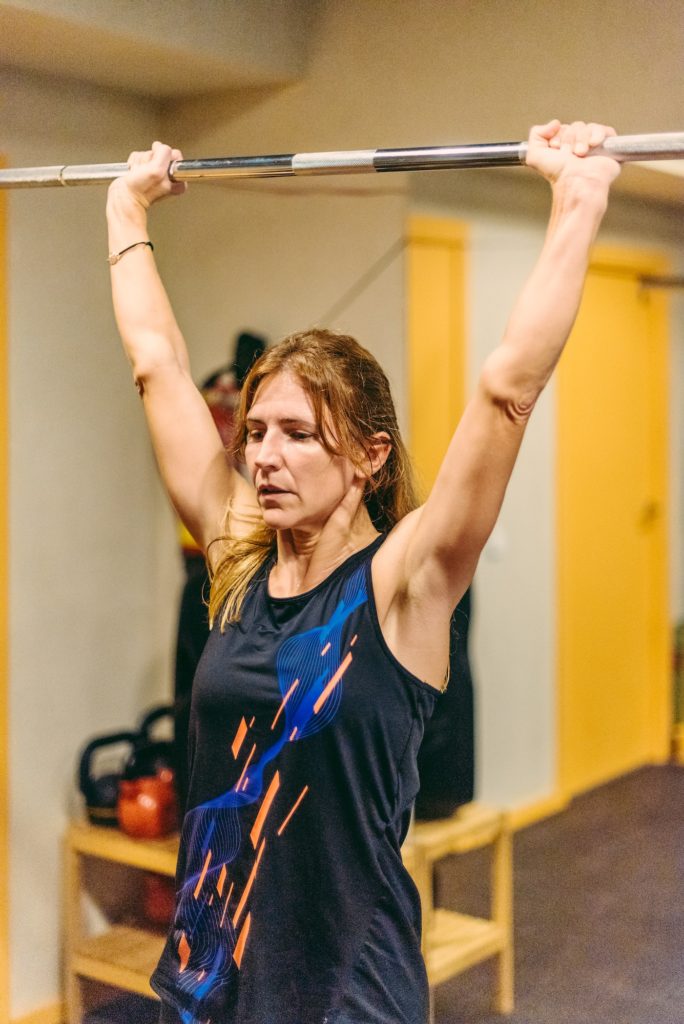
x=94 y=570
x=87 y=646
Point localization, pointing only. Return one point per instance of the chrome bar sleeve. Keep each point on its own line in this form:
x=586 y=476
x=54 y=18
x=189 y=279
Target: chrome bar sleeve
x=429 y=158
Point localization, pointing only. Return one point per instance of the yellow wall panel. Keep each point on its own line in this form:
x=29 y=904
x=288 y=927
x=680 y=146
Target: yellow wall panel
x=436 y=339
x=4 y=625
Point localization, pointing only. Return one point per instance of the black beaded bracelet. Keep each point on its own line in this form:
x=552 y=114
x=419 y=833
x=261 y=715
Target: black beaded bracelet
x=114 y=257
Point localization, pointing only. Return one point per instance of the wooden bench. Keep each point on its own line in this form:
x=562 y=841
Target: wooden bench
x=452 y=941
x=124 y=954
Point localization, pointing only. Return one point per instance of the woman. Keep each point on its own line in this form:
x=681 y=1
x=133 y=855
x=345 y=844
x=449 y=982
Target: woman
x=331 y=601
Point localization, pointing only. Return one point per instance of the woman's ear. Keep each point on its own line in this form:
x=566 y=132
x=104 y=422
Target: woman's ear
x=378 y=448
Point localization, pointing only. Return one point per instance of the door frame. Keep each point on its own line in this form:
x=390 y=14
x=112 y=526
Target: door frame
x=4 y=624
x=453 y=235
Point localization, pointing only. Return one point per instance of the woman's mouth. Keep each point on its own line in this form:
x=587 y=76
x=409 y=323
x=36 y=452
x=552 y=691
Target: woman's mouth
x=267 y=490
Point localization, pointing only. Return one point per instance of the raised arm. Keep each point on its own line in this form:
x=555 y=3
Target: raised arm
x=436 y=550
x=193 y=463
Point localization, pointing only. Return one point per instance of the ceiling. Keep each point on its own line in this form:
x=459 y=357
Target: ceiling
x=160 y=50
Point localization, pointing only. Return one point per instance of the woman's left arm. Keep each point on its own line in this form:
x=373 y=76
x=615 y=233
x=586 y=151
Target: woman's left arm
x=444 y=539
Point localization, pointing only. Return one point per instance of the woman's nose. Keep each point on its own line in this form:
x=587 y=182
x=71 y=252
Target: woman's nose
x=268 y=452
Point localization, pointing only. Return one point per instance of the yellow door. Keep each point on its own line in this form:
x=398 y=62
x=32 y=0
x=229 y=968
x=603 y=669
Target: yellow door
x=436 y=339
x=4 y=628
x=613 y=623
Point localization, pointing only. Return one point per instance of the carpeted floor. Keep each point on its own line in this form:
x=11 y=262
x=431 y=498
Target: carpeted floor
x=599 y=912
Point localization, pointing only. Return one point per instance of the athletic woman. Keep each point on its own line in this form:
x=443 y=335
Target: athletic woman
x=332 y=593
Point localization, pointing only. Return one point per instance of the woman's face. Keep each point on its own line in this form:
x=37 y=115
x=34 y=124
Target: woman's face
x=299 y=484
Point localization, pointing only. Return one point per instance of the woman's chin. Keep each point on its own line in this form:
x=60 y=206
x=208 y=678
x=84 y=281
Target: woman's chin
x=281 y=519
x=276 y=518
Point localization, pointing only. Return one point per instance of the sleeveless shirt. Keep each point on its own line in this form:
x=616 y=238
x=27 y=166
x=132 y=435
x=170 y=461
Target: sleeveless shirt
x=293 y=905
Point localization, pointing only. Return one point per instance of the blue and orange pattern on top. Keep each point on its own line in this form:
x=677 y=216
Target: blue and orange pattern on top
x=212 y=921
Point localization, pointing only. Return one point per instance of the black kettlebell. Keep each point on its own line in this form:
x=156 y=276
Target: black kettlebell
x=101 y=792
x=150 y=756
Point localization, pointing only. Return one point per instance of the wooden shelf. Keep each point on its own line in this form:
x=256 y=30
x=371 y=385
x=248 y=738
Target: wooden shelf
x=472 y=827
x=457 y=941
x=122 y=956
x=158 y=855
x=125 y=956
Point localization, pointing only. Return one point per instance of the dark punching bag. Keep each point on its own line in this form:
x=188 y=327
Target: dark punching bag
x=193 y=633
x=446 y=759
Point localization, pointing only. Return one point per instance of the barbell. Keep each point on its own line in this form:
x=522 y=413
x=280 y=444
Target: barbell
x=625 y=148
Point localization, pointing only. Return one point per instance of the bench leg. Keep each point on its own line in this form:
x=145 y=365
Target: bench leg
x=502 y=913
x=73 y=1004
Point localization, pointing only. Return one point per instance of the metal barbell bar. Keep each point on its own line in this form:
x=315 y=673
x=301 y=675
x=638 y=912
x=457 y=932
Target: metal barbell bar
x=625 y=148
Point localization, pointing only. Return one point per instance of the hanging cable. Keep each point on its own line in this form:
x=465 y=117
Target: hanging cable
x=364 y=282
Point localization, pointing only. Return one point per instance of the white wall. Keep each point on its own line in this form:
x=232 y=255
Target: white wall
x=87 y=648
x=513 y=655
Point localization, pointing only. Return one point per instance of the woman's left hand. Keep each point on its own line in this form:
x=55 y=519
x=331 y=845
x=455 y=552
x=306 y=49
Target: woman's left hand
x=147 y=179
x=559 y=150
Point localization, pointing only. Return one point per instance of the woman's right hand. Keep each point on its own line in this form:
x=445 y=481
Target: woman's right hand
x=559 y=151
x=147 y=179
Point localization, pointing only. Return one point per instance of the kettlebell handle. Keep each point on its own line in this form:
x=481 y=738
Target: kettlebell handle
x=89 y=750
x=153 y=716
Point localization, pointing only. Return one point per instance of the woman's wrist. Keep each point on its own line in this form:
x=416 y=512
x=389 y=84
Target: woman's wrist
x=126 y=221
x=577 y=192
x=124 y=205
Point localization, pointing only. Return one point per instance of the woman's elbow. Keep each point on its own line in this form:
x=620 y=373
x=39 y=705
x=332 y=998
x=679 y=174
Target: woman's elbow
x=509 y=388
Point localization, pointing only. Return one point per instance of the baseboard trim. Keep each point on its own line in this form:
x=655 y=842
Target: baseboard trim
x=52 y=1014
x=529 y=814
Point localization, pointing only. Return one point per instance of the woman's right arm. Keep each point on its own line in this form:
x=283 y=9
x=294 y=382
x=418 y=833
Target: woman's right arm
x=193 y=463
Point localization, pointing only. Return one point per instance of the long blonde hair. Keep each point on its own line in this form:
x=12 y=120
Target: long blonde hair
x=349 y=393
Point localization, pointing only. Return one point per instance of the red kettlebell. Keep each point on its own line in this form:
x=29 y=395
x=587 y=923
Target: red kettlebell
x=147 y=807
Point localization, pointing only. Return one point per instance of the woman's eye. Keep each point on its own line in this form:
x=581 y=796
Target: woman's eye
x=300 y=435
x=254 y=435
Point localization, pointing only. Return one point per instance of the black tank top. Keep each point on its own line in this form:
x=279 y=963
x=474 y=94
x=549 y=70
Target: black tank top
x=293 y=905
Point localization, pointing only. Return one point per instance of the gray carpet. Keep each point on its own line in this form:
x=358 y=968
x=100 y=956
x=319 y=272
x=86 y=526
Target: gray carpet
x=599 y=912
